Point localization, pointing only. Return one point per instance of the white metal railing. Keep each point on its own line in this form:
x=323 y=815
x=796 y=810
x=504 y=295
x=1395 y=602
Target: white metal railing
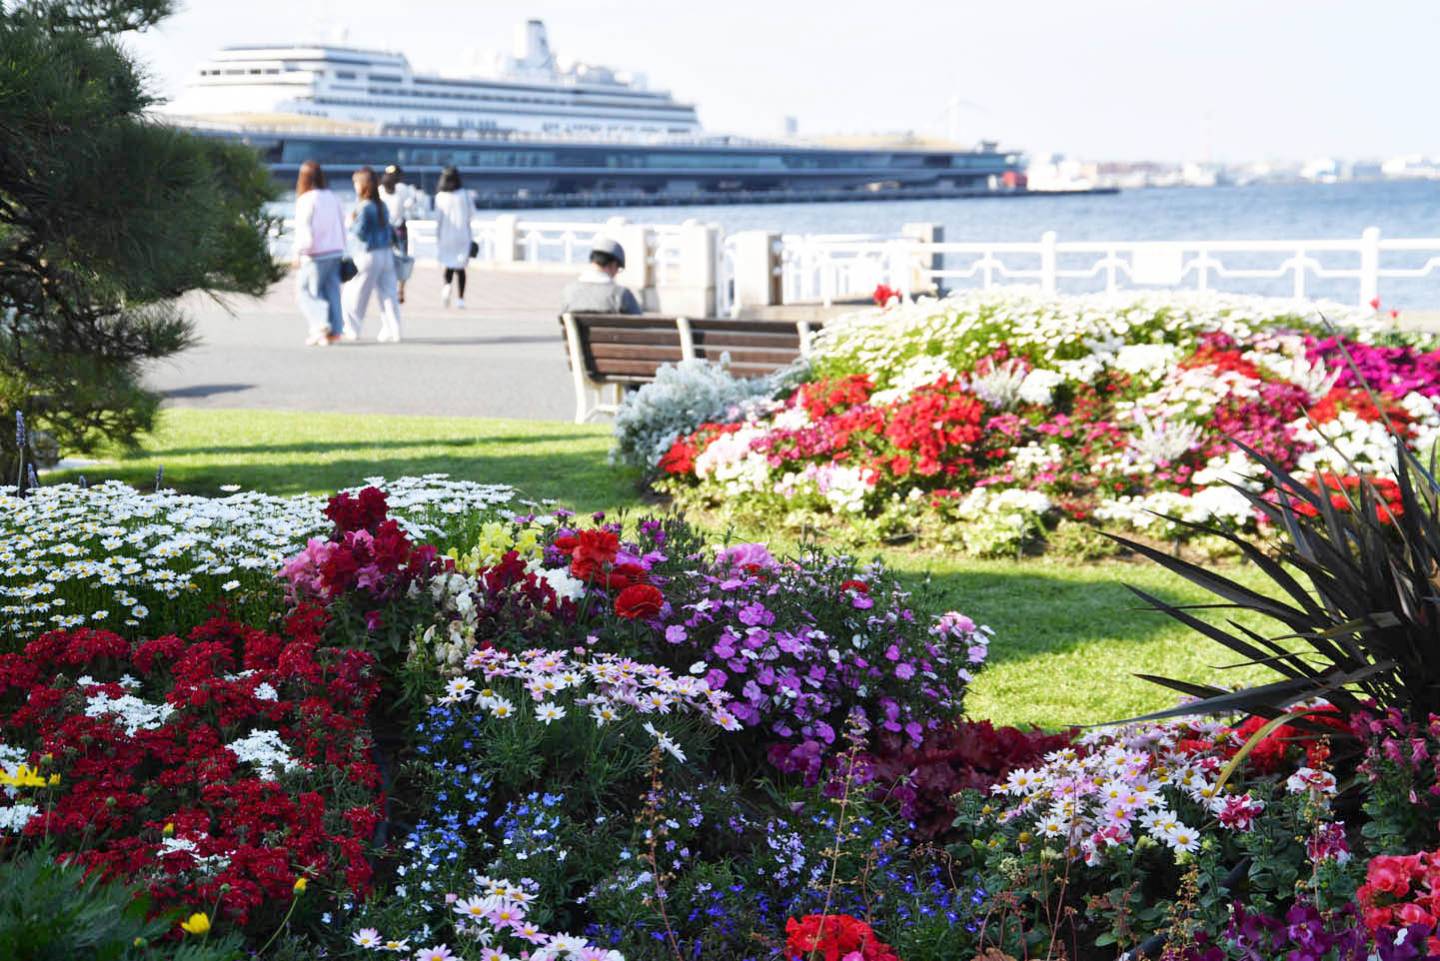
x=829 y=268
x=677 y=263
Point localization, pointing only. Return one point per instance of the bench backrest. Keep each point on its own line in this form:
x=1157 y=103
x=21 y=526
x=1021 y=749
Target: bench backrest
x=630 y=349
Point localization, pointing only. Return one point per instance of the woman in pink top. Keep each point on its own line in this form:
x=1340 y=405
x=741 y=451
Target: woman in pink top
x=319 y=245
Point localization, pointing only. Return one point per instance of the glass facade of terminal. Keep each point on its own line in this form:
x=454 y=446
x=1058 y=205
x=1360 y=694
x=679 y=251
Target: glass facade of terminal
x=293 y=151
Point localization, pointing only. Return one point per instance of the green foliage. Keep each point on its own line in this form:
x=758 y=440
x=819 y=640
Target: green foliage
x=105 y=218
x=50 y=911
x=1080 y=542
x=1363 y=628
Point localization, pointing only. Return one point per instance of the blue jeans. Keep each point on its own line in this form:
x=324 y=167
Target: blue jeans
x=317 y=291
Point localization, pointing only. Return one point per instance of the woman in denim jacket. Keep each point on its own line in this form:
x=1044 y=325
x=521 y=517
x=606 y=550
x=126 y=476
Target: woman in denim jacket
x=370 y=225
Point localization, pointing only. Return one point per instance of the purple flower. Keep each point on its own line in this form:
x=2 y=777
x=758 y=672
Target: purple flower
x=675 y=634
x=756 y=614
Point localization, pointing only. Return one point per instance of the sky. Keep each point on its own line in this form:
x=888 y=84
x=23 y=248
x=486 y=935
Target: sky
x=1167 y=80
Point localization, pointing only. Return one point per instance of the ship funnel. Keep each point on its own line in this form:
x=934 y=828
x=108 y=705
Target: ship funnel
x=532 y=46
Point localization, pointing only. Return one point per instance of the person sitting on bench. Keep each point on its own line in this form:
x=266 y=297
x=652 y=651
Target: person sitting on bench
x=595 y=291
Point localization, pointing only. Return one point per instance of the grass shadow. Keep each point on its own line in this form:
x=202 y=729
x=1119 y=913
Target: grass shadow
x=1071 y=638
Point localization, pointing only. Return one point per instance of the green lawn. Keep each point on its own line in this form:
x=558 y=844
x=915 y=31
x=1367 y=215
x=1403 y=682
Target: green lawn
x=284 y=452
x=1069 y=636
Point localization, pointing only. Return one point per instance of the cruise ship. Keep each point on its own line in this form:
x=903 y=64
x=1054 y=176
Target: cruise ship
x=537 y=129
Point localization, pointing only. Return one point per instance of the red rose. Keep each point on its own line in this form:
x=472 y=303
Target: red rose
x=639 y=601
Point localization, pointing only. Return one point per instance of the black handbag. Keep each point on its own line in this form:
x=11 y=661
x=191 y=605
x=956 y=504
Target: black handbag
x=348 y=270
x=474 y=250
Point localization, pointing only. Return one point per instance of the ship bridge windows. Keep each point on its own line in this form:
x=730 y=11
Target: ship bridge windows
x=345 y=74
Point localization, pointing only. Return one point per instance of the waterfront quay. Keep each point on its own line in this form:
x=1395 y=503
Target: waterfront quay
x=502 y=356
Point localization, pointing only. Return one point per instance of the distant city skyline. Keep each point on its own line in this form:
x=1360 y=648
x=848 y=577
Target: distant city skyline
x=1226 y=81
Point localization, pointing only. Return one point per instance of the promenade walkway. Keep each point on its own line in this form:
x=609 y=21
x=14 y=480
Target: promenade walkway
x=502 y=356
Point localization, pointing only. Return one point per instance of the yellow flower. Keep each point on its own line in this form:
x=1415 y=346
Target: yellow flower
x=197 y=923
x=54 y=779
x=168 y=830
x=24 y=776
x=300 y=884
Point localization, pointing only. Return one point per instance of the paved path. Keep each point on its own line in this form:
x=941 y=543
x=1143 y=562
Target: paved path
x=502 y=356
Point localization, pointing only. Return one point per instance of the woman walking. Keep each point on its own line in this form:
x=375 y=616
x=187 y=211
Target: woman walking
x=399 y=199
x=370 y=225
x=454 y=244
x=319 y=245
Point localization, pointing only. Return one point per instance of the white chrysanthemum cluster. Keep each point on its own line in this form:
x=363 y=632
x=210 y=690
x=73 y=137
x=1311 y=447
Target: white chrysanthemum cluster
x=103 y=555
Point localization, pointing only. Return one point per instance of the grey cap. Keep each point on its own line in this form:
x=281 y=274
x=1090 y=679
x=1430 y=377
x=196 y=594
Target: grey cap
x=604 y=245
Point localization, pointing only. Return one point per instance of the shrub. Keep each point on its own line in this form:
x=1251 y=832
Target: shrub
x=50 y=910
x=91 y=272
x=921 y=781
x=1364 y=630
x=681 y=397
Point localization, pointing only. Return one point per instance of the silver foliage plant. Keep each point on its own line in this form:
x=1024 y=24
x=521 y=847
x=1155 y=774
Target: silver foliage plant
x=681 y=398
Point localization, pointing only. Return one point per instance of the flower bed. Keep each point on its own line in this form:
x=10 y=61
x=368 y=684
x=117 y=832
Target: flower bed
x=217 y=769
x=608 y=742
x=988 y=418
x=110 y=556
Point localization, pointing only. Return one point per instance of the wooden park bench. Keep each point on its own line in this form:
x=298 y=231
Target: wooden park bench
x=610 y=353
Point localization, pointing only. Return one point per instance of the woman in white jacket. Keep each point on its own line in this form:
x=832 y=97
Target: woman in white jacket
x=453 y=240
x=319 y=245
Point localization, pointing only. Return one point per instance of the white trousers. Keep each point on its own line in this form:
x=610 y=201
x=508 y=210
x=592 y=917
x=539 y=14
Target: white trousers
x=376 y=276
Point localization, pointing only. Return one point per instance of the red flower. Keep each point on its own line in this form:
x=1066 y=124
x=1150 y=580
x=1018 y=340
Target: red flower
x=834 y=937
x=119 y=788
x=680 y=458
x=860 y=586
x=593 y=552
x=639 y=601
x=362 y=512
x=884 y=294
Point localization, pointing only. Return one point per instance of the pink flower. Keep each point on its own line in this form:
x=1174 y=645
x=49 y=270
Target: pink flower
x=747 y=556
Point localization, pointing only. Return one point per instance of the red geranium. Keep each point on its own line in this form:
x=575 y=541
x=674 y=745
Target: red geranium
x=1268 y=756
x=639 y=601
x=823 y=397
x=1346 y=488
x=884 y=294
x=834 y=937
x=1360 y=403
x=940 y=426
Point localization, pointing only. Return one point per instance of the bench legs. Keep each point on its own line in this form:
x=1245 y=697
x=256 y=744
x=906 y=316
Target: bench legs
x=594 y=399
